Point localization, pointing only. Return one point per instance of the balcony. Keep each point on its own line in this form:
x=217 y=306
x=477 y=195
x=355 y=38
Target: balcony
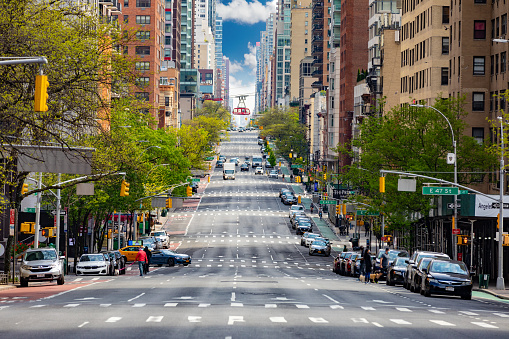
x=317 y=51
x=318 y=28
x=317 y=62
x=317 y=84
x=317 y=6
x=317 y=16
x=317 y=73
x=317 y=38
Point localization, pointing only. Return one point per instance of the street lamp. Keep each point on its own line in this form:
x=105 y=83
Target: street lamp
x=455 y=221
x=500 y=277
x=153 y=168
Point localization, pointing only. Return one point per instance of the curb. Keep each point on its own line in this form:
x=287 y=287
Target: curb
x=7 y=287
x=500 y=296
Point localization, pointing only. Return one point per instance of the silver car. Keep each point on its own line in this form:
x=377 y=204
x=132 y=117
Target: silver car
x=41 y=264
x=93 y=264
x=274 y=174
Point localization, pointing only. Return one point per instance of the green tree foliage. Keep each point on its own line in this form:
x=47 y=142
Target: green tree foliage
x=417 y=140
x=214 y=109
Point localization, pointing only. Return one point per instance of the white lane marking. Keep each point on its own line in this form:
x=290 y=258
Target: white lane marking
x=442 y=323
x=270 y=306
x=237 y=304
x=235 y=318
x=318 y=320
x=194 y=319
x=337 y=307
x=376 y=324
x=403 y=309
x=203 y=305
x=78 y=279
x=382 y=301
x=95 y=278
x=400 y=321
x=277 y=319
x=468 y=313
x=72 y=305
x=233 y=296
x=483 y=324
x=83 y=324
x=503 y=315
x=334 y=301
x=360 y=320
x=139 y=305
x=113 y=319
x=367 y=308
x=104 y=305
x=170 y=304
x=140 y=295
x=302 y=306
x=154 y=319
x=436 y=311
x=37 y=306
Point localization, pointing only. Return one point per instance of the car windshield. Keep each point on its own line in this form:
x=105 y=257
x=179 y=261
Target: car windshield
x=304 y=223
x=297 y=208
x=318 y=243
x=158 y=233
x=92 y=257
x=393 y=255
x=148 y=241
x=400 y=262
x=40 y=255
x=312 y=235
x=168 y=252
x=448 y=267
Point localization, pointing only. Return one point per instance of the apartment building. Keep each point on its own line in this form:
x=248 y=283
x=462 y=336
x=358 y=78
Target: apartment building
x=300 y=40
x=320 y=43
x=281 y=90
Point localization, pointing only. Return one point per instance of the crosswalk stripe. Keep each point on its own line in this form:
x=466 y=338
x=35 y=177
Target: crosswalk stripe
x=442 y=323
x=436 y=311
x=503 y=315
x=301 y=306
x=277 y=319
x=72 y=305
x=337 y=307
x=468 y=313
x=104 y=305
x=400 y=322
x=403 y=309
x=113 y=319
x=483 y=324
x=170 y=304
x=154 y=319
x=203 y=305
x=270 y=306
x=377 y=324
x=139 y=305
x=368 y=308
x=318 y=320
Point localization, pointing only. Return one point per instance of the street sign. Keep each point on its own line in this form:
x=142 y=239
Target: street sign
x=435 y=190
x=296 y=166
x=463 y=191
x=30 y=209
x=341 y=194
x=456 y=231
x=62 y=212
x=193 y=180
x=451 y=205
x=327 y=202
x=368 y=213
x=12 y=221
x=384 y=238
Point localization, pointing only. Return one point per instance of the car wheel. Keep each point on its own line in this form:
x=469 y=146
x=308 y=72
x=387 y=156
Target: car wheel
x=185 y=264
x=427 y=293
x=61 y=280
x=171 y=262
x=467 y=296
x=412 y=288
x=310 y=253
x=391 y=282
x=23 y=282
x=422 y=291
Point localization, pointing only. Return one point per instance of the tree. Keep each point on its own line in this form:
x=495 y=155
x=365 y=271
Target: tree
x=214 y=109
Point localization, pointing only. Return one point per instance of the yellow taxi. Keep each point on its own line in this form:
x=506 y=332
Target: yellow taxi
x=130 y=252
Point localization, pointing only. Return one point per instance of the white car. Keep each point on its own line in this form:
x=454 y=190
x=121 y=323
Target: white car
x=93 y=264
x=274 y=174
x=259 y=170
x=162 y=237
x=295 y=208
x=41 y=264
x=310 y=238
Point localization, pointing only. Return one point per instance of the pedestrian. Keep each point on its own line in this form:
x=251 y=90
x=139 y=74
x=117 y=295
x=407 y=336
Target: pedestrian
x=149 y=255
x=141 y=258
x=345 y=249
x=366 y=229
x=320 y=213
x=312 y=208
x=367 y=266
x=291 y=177
x=385 y=261
x=361 y=249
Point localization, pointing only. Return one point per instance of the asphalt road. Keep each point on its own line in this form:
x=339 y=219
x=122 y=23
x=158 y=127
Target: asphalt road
x=249 y=278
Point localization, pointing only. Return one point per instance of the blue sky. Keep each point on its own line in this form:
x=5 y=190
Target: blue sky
x=243 y=20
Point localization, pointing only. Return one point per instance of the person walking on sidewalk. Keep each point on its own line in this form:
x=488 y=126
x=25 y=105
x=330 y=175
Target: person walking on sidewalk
x=367 y=265
x=320 y=213
x=291 y=177
x=312 y=208
x=141 y=258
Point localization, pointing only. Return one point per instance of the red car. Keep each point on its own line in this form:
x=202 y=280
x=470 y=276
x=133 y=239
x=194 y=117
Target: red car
x=350 y=264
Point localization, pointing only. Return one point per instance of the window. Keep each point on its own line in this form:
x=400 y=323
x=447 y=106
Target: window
x=445 y=76
x=143 y=3
x=492 y=65
x=479 y=62
x=503 y=59
x=305 y=41
x=126 y=3
x=503 y=26
x=143 y=35
x=305 y=23
x=144 y=96
x=142 y=50
x=167 y=40
x=126 y=19
x=167 y=16
x=478 y=101
x=479 y=29
x=305 y=32
x=305 y=50
x=142 y=66
x=479 y=1
x=143 y=19
x=142 y=82
x=478 y=134
x=167 y=28
x=445 y=45
x=445 y=14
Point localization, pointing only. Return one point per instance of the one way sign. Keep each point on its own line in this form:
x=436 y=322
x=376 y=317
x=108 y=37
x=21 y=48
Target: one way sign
x=451 y=205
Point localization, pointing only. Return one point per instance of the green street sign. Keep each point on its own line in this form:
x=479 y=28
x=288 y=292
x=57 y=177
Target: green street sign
x=30 y=210
x=435 y=190
x=327 y=202
x=296 y=166
x=463 y=191
x=368 y=213
x=195 y=180
x=209 y=158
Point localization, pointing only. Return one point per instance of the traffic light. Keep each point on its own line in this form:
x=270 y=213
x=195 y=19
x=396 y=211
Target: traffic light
x=27 y=227
x=299 y=200
x=124 y=189
x=463 y=240
x=382 y=184
x=24 y=189
x=344 y=209
x=169 y=203
x=498 y=221
x=41 y=93
x=338 y=209
x=189 y=191
x=325 y=176
x=389 y=238
x=506 y=240
x=48 y=232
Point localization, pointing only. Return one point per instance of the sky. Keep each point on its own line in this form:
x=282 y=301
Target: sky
x=243 y=20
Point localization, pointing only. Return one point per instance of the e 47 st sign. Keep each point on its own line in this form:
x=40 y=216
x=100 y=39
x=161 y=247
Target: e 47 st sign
x=432 y=190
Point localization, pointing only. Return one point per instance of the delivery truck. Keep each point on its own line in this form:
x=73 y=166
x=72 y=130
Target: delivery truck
x=229 y=171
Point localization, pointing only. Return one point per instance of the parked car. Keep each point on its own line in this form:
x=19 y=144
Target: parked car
x=415 y=284
x=356 y=266
x=244 y=167
x=41 y=264
x=283 y=190
x=295 y=208
x=121 y=261
x=310 y=238
x=162 y=257
x=268 y=165
x=162 y=237
x=273 y=174
x=304 y=237
x=319 y=246
x=393 y=254
x=114 y=265
x=414 y=260
x=343 y=261
x=99 y=264
x=151 y=242
x=303 y=227
x=396 y=271
x=259 y=170
x=350 y=264
x=445 y=276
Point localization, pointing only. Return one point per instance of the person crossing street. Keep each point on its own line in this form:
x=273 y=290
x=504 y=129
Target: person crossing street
x=141 y=258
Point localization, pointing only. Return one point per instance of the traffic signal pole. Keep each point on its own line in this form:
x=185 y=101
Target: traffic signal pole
x=37 y=226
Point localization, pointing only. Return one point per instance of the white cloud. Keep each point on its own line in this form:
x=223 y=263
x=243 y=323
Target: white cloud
x=250 y=58
x=245 y=12
x=235 y=67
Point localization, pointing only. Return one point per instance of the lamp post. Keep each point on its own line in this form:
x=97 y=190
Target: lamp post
x=455 y=221
x=500 y=277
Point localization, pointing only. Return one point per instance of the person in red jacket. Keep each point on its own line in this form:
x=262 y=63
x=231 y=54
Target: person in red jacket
x=141 y=258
